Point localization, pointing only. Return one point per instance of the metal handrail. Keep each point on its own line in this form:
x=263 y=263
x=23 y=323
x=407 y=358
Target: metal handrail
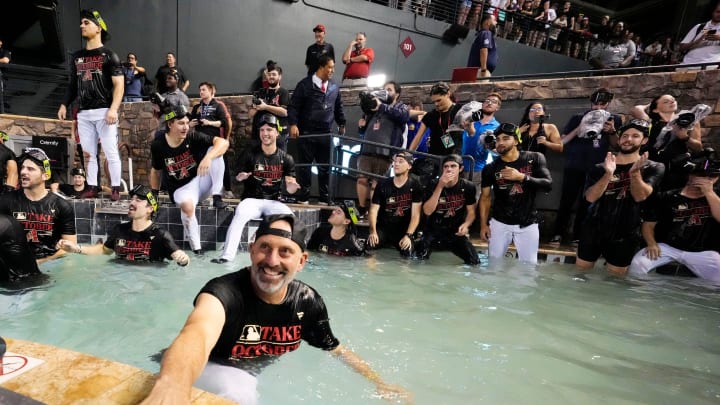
x=334 y=166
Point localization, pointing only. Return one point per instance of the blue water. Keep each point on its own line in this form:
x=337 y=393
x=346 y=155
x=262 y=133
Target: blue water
x=451 y=334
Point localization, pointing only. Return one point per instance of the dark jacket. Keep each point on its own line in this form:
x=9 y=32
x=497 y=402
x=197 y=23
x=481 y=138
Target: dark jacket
x=314 y=111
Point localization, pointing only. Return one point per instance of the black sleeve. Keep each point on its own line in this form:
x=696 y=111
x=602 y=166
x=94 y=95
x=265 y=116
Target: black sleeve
x=470 y=193
x=244 y=163
x=540 y=178
x=653 y=173
x=112 y=237
x=288 y=166
x=316 y=327
x=71 y=92
x=572 y=124
x=488 y=175
x=284 y=97
x=296 y=102
x=156 y=156
x=201 y=137
x=116 y=67
x=221 y=115
x=307 y=56
x=67 y=218
x=358 y=247
x=194 y=113
x=164 y=238
x=339 y=112
x=317 y=237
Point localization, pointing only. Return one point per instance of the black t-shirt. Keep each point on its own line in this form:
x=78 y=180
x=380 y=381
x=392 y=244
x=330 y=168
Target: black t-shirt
x=348 y=245
x=514 y=202
x=69 y=190
x=44 y=221
x=615 y=213
x=254 y=328
x=212 y=111
x=313 y=53
x=151 y=244
x=451 y=210
x=438 y=123
x=683 y=223
x=279 y=97
x=6 y=155
x=268 y=173
x=180 y=163
x=91 y=73
x=396 y=204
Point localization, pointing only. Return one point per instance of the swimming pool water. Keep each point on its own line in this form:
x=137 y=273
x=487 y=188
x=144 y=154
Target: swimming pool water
x=452 y=334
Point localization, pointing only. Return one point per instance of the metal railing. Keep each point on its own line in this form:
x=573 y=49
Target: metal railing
x=32 y=91
x=337 y=170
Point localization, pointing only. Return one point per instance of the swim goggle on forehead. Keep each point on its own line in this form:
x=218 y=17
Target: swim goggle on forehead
x=270 y=120
x=39 y=156
x=4 y=136
x=641 y=125
x=146 y=194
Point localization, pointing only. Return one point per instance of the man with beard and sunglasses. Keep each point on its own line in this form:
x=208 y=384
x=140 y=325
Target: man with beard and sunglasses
x=45 y=217
x=244 y=320
x=139 y=240
x=615 y=189
x=514 y=178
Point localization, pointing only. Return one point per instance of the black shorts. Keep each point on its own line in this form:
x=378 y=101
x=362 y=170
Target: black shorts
x=616 y=251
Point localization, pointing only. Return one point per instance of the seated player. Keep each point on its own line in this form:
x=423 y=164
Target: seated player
x=340 y=238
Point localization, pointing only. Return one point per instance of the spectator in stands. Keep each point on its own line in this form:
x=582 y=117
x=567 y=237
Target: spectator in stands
x=4 y=54
x=396 y=208
x=194 y=167
x=317 y=49
x=465 y=6
x=272 y=99
x=96 y=79
x=138 y=240
x=438 y=121
x=683 y=225
x=514 y=180
x=384 y=123
x=651 y=53
x=581 y=152
x=134 y=79
x=543 y=22
x=8 y=166
x=564 y=38
x=483 y=53
x=340 y=237
x=163 y=71
x=702 y=42
x=357 y=59
x=315 y=104
x=616 y=52
x=474 y=137
x=615 y=188
x=669 y=52
x=450 y=210
x=536 y=135
x=556 y=29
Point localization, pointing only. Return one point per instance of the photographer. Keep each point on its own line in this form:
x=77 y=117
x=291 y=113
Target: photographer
x=384 y=121
x=682 y=225
x=134 y=79
x=672 y=135
x=481 y=123
x=586 y=140
x=274 y=100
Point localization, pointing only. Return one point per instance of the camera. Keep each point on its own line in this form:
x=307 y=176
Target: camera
x=367 y=99
x=256 y=100
x=160 y=101
x=703 y=163
x=685 y=120
x=592 y=123
x=490 y=140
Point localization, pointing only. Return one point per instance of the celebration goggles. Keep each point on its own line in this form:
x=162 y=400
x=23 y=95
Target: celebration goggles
x=145 y=193
x=4 y=136
x=270 y=120
x=38 y=156
x=641 y=125
x=508 y=128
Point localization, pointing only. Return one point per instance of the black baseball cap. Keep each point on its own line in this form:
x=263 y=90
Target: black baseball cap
x=145 y=193
x=297 y=235
x=405 y=155
x=78 y=171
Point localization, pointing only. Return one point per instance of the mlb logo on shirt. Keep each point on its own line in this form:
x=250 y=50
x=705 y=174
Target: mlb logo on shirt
x=20 y=216
x=120 y=242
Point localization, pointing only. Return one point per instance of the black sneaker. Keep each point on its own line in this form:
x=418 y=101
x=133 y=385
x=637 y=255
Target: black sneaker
x=556 y=240
x=199 y=252
x=218 y=202
x=219 y=260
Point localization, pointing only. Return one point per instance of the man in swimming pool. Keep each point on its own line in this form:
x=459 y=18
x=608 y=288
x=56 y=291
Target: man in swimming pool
x=139 y=240
x=216 y=345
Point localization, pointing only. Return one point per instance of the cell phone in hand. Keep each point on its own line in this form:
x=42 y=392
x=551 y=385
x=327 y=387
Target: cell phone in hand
x=711 y=32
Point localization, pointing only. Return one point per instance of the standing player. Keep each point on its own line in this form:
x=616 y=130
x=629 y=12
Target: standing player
x=97 y=80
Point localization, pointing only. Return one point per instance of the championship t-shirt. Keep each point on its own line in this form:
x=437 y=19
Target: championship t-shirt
x=6 y=155
x=256 y=329
x=151 y=244
x=267 y=173
x=683 y=223
x=451 y=209
x=396 y=204
x=180 y=163
x=91 y=72
x=348 y=245
x=44 y=221
x=69 y=190
x=615 y=213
